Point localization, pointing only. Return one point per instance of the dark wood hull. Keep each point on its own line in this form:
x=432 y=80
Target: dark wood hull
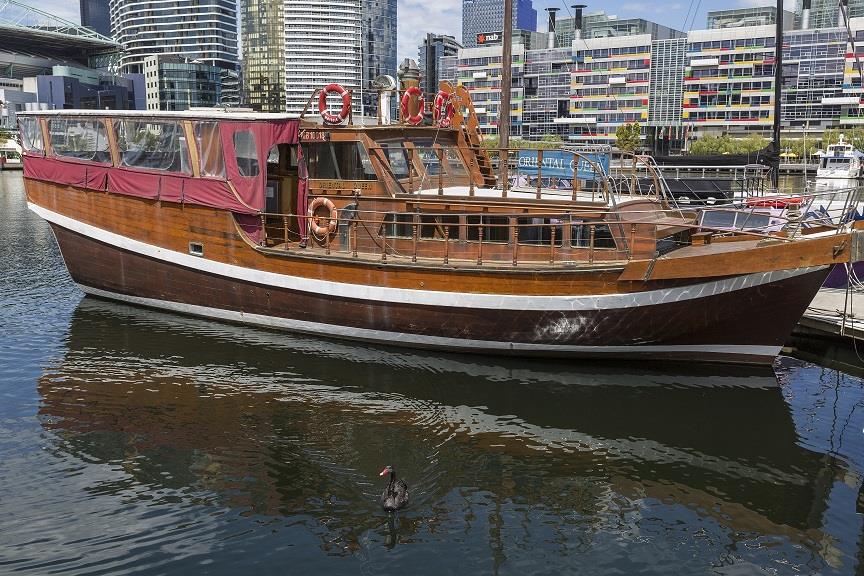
x=741 y=320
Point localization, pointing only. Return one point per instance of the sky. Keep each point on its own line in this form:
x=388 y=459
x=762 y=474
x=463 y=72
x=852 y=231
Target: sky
x=417 y=17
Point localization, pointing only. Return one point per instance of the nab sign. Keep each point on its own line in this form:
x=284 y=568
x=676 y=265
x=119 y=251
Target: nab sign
x=492 y=38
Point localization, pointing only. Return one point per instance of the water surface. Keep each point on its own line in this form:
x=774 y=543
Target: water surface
x=134 y=441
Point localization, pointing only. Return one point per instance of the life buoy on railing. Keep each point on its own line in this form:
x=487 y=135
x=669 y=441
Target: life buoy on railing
x=443 y=110
x=314 y=220
x=329 y=117
x=406 y=99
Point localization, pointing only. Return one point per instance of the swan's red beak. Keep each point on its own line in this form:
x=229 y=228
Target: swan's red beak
x=384 y=472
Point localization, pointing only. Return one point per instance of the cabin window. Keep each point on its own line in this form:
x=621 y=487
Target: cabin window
x=430 y=159
x=153 y=145
x=246 y=152
x=31 y=135
x=79 y=138
x=209 y=140
x=339 y=161
x=433 y=226
x=580 y=236
x=399 y=225
x=538 y=231
x=397 y=158
x=495 y=228
x=454 y=162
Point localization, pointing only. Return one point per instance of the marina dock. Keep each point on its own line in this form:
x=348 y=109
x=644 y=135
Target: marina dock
x=832 y=329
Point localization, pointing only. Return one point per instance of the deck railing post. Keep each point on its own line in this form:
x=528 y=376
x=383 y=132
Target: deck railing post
x=440 y=154
x=354 y=234
x=539 y=173
x=632 y=240
x=480 y=243
x=285 y=231
x=410 y=171
x=327 y=241
x=590 y=243
x=515 y=244
x=446 y=244
x=384 y=244
x=552 y=245
x=506 y=158
x=414 y=238
x=263 y=229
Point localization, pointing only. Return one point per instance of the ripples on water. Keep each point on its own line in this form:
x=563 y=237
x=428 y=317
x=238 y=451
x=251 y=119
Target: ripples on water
x=137 y=441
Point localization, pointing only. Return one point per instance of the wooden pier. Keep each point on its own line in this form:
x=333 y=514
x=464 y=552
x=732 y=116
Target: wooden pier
x=832 y=329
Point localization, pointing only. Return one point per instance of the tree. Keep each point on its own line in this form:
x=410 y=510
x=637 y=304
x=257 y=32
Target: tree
x=628 y=136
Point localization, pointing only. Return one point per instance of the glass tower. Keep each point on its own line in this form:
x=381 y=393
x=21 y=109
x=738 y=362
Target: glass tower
x=487 y=16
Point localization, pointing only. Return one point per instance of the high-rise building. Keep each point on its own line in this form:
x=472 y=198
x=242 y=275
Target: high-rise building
x=322 y=45
x=487 y=16
x=95 y=15
x=433 y=48
x=293 y=47
x=378 y=50
x=264 y=55
x=204 y=31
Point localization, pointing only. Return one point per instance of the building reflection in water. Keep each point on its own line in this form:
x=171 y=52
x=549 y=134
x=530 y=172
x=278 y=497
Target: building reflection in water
x=287 y=427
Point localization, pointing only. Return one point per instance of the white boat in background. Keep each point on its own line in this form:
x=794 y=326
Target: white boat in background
x=841 y=160
x=10 y=155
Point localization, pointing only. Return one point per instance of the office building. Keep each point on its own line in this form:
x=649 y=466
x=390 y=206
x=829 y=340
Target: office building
x=292 y=47
x=95 y=15
x=176 y=84
x=487 y=17
x=431 y=51
x=204 y=31
x=480 y=72
x=378 y=49
x=826 y=13
x=263 y=36
x=547 y=86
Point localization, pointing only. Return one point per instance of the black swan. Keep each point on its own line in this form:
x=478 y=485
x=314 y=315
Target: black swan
x=395 y=494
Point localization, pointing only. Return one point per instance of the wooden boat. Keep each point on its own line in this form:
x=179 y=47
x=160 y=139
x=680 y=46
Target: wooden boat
x=397 y=234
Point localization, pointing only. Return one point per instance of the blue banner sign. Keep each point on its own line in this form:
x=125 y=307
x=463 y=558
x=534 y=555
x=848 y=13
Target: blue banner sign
x=560 y=163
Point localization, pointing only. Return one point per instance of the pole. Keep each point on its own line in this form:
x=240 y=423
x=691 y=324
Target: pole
x=778 y=88
x=504 y=108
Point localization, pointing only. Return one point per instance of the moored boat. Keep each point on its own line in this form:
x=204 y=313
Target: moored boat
x=841 y=160
x=398 y=234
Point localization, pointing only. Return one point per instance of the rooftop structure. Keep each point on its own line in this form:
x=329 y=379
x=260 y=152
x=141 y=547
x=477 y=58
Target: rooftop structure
x=755 y=16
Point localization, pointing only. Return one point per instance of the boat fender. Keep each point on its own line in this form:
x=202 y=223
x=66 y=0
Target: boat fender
x=443 y=105
x=314 y=220
x=326 y=115
x=415 y=92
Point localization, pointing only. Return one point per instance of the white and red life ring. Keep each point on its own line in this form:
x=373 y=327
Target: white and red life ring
x=406 y=99
x=315 y=221
x=329 y=117
x=443 y=110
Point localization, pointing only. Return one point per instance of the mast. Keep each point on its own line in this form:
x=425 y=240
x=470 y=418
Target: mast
x=778 y=88
x=504 y=108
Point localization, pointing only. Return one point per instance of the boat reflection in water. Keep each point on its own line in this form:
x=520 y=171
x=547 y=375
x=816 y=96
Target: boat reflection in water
x=279 y=426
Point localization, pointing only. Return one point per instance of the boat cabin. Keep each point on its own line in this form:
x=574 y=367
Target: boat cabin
x=300 y=187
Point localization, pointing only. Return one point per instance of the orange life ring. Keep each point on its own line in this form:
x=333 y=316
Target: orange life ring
x=314 y=226
x=406 y=98
x=329 y=117
x=443 y=100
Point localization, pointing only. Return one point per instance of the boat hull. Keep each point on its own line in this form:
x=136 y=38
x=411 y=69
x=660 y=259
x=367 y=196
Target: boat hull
x=743 y=319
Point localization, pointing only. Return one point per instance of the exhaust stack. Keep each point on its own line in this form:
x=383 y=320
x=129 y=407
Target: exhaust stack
x=805 y=14
x=577 y=20
x=550 y=42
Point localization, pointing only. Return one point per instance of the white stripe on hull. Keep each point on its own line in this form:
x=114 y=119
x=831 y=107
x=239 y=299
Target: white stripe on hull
x=382 y=294
x=417 y=340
